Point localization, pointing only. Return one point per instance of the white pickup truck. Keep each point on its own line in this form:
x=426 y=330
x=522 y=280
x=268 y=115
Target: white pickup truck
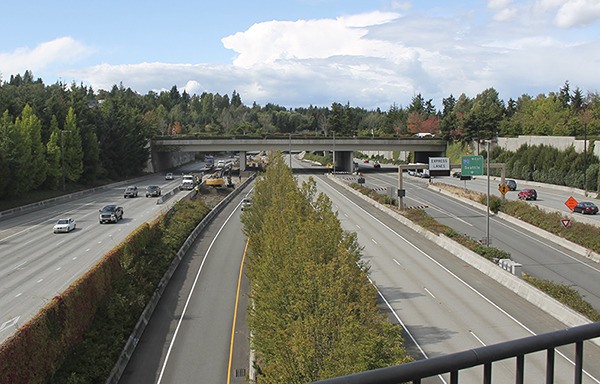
x=187 y=182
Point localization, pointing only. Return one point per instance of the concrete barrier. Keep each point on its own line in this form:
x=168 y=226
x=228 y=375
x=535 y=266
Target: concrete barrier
x=140 y=326
x=525 y=290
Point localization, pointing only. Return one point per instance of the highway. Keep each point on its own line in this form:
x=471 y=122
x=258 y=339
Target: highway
x=189 y=337
x=445 y=305
x=540 y=257
x=37 y=264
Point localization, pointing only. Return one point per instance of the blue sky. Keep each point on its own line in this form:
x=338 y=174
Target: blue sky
x=369 y=53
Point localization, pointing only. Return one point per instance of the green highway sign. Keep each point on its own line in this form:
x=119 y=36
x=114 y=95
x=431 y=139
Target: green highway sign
x=471 y=166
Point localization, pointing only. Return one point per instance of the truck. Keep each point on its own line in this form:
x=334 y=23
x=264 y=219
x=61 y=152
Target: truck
x=187 y=182
x=110 y=214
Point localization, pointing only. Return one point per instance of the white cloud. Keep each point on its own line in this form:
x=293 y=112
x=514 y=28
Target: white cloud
x=577 y=13
x=64 y=50
x=373 y=60
x=499 y=4
x=307 y=39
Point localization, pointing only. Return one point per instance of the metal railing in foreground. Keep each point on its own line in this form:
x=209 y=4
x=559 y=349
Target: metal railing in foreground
x=484 y=356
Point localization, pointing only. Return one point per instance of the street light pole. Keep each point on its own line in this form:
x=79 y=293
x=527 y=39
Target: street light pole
x=584 y=155
x=487 y=223
x=333 y=153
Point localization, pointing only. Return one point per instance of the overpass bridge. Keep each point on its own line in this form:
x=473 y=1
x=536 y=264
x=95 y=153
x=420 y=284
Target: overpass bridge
x=166 y=152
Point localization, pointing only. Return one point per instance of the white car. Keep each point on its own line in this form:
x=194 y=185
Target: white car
x=64 y=225
x=246 y=203
x=169 y=176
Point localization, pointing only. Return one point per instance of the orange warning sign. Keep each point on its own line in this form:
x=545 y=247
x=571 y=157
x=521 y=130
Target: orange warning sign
x=571 y=203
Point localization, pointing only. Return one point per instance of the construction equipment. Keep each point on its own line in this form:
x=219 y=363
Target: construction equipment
x=217 y=179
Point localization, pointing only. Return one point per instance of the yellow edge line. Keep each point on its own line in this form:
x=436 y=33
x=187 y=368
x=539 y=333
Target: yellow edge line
x=237 y=298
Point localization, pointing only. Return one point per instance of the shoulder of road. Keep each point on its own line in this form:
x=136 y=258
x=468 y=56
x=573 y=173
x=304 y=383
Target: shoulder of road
x=536 y=297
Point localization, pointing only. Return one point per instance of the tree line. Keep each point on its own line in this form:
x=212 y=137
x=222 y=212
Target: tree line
x=313 y=311
x=51 y=133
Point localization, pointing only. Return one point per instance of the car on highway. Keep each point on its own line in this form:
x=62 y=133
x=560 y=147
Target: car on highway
x=528 y=194
x=153 y=191
x=456 y=174
x=110 y=214
x=130 y=191
x=246 y=203
x=366 y=161
x=586 y=207
x=376 y=165
x=169 y=176
x=511 y=184
x=64 y=225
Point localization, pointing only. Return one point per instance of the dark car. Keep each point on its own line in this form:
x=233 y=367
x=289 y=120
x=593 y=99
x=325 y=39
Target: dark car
x=153 y=190
x=110 y=214
x=376 y=165
x=456 y=174
x=586 y=207
x=528 y=194
x=511 y=184
x=130 y=191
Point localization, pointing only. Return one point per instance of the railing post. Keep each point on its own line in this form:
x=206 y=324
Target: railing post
x=578 y=362
x=550 y=366
x=520 y=369
x=487 y=373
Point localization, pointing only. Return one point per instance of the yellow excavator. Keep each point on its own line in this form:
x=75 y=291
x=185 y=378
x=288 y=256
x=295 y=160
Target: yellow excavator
x=217 y=179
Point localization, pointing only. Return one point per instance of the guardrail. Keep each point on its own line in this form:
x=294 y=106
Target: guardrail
x=485 y=356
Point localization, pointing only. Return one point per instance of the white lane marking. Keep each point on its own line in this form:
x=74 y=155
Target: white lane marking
x=59 y=268
x=428 y=291
x=373 y=240
x=453 y=275
x=397 y=262
x=435 y=207
x=18 y=294
x=393 y=312
x=9 y=323
x=187 y=302
x=20 y=265
x=501 y=222
x=357 y=226
x=477 y=338
x=39 y=281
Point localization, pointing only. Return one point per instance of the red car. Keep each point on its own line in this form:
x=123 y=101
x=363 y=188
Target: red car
x=528 y=194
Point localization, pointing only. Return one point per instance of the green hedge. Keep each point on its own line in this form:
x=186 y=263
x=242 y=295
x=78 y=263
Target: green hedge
x=78 y=336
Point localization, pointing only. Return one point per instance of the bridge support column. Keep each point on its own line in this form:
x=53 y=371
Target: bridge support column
x=242 y=160
x=343 y=161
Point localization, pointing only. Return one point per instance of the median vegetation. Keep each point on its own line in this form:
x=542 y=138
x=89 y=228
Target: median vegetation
x=79 y=335
x=314 y=312
x=579 y=233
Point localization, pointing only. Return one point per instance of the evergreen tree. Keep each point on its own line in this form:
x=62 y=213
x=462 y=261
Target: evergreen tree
x=37 y=167
x=73 y=152
x=54 y=157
